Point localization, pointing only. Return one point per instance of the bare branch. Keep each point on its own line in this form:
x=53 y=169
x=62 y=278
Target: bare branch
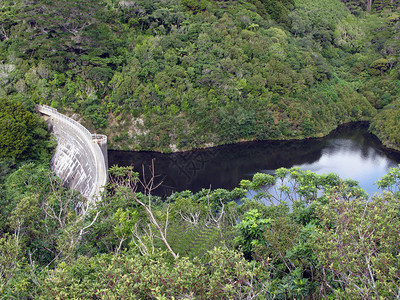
x=148 y=186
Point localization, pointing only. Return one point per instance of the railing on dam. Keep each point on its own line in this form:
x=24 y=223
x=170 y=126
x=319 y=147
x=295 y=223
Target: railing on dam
x=96 y=143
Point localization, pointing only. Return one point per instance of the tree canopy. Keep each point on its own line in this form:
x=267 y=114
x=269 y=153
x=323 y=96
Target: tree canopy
x=173 y=75
x=167 y=75
x=23 y=134
x=300 y=235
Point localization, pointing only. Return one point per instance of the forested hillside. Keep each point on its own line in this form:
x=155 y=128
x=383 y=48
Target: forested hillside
x=168 y=75
x=181 y=74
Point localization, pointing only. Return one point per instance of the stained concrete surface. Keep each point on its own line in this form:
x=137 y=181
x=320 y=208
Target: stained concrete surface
x=80 y=159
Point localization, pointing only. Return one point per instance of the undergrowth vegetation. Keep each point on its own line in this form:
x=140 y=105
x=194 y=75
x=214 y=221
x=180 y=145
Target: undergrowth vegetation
x=300 y=235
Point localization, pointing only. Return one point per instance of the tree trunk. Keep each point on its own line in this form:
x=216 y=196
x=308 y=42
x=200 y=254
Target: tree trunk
x=369 y=5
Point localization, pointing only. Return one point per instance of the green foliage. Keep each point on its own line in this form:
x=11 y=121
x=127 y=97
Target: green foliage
x=167 y=75
x=11 y=264
x=390 y=181
x=380 y=66
x=195 y=5
x=357 y=242
x=298 y=187
x=330 y=242
x=43 y=216
x=203 y=221
x=226 y=276
x=22 y=134
x=193 y=241
x=278 y=10
x=385 y=123
x=251 y=229
x=186 y=74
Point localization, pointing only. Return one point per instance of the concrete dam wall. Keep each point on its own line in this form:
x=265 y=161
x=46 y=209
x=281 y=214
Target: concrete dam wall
x=80 y=159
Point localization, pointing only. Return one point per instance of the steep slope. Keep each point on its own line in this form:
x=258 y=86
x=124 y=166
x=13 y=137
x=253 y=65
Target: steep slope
x=175 y=75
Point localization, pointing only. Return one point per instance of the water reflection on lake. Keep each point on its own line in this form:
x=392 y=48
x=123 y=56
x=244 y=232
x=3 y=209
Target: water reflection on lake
x=345 y=158
x=350 y=151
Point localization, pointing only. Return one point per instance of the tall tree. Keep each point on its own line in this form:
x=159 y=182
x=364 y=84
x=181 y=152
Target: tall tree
x=22 y=134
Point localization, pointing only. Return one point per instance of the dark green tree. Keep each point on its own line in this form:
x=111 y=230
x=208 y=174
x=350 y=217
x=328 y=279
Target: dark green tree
x=22 y=134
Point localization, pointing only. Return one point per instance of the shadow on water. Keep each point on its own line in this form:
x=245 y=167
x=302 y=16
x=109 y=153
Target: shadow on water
x=225 y=166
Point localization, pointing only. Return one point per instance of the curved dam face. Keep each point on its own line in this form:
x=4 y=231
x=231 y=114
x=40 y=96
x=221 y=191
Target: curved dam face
x=80 y=159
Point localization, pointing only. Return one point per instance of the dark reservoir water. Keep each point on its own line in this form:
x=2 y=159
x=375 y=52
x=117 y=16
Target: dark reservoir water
x=350 y=152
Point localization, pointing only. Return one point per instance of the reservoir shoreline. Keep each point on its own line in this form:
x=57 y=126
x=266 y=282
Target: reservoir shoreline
x=224 y=166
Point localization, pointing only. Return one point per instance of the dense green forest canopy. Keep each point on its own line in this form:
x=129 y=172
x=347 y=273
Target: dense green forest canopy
x=301 y=235
x=170 y=74
x=166 y=75
x=23 y=134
